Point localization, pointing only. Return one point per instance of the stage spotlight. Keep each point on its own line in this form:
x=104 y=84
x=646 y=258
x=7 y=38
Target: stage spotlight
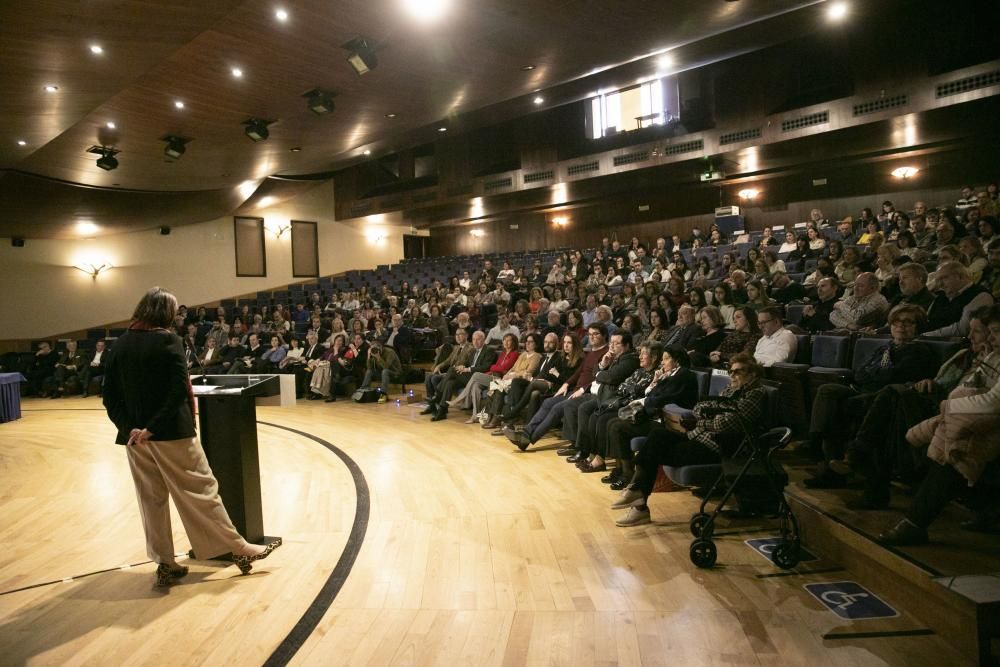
x=319 y=101
x=257 y=128
x=175 y=146
x=362 y=57
x=107 y=160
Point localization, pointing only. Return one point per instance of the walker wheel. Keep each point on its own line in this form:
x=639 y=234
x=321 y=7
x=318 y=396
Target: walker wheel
x=698 y=523
x=786 y=555
x=703 y=553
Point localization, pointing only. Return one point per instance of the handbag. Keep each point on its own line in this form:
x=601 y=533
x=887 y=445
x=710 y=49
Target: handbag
x=632 y=412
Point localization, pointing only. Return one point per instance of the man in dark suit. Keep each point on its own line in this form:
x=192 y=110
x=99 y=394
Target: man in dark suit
x=94 y=368
x=551 y=374
x=784 y=289
x=460 y=353
x=65 y=373
x=480 y=358
x=816 y=316
x=42 y=368
x=254 y=351
x=400 y=338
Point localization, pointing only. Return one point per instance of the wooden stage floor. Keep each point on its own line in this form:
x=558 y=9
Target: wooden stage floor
x=474 y=553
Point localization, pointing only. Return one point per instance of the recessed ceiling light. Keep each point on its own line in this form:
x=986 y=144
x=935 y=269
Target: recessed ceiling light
x=367 y=152
x=837 y=11
x=666 y=61
x=178 y=104
x=84 y=227
x=426 y=11
x=295 y=149
x=527 y=68
x=51 y=88
x=442 y=129
x=22 y=142
x=96 y=49
x=236 y=72
x=538 y=100
x=390 y=115
x=281 y=15
x=110 y=125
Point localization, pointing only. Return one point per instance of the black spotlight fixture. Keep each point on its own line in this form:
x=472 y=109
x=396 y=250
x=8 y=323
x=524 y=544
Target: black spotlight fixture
x=175 y=146
x=319 y=101
x=164 y=231
x=256 y=128
x=362 y=57
x=107 y=160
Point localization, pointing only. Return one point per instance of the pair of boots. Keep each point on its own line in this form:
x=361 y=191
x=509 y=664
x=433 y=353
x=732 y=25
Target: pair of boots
x=437 y=408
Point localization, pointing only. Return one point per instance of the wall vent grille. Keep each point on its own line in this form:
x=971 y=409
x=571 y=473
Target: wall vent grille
x=498 y=184
x=805 y=121
x=881 y=104
x=539 y=176
x=969 y=83
x=583 y=168
x=742 y=135
x=686 y=147
x=629 y=158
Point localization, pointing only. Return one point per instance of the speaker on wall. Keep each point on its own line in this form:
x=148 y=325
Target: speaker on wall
x=164 y=230
x=17 y=243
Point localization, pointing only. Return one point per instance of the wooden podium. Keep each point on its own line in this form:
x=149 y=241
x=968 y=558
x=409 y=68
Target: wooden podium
x=227 y=420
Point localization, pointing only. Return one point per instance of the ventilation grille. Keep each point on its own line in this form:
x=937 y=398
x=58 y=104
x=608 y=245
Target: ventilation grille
x=459 y=190
x=881 y=104
x=629 y=158
x=742 y=135
x=805 y=121
x=539 y=176
x=583 y=168
x=391 y=202
x=360 y=208
x=686 y=147
x=423 y=197
x=498 y=184
x=969 y=83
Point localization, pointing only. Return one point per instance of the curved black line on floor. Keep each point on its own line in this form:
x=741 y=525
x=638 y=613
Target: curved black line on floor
x=298 y=635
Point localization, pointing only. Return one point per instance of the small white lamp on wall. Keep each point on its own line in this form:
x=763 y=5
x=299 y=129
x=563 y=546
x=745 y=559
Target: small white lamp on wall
x=94 y=269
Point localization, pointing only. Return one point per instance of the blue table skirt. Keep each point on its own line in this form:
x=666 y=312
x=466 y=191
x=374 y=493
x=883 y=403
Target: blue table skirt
x=10 y=396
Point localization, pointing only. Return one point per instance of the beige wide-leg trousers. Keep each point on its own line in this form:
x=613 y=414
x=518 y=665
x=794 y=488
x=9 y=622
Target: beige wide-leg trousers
x=179 y=469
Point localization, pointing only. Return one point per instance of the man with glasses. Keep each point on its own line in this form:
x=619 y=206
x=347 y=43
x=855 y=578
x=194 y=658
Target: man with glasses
x=777 y=344
x=550 y=413
x=959 y=297
x=903 y=359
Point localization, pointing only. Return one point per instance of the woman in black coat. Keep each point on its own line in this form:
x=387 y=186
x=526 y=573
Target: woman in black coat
x=147 y=394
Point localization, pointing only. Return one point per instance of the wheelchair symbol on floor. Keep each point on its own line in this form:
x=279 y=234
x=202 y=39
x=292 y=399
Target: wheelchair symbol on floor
x=850 y=600
x=840 y=599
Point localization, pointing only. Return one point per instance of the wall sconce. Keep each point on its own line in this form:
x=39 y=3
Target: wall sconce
x=278 y=229
x=904 y=172
x=748 y=194
x=93 y=269
x=561 y=220
x=478 y=233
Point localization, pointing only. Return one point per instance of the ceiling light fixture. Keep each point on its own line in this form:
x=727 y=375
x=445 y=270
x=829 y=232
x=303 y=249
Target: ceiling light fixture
x=319 y=101
x=265 y=201
x=22 y=142
x=51 y=89
x=538 y=100
x=442 y=129
x=665 y=61
x=295 y=149
x=527 y=68
x=236 y=72
x=111 y=125
x=837 y=11
x=86 y=228
x=362 y=57
x=426 y=11
x=107 y=160
x=478 y=233
x=96 y=49
x=561 y=220
x=904 y=172
x=281 y=15
x=175 y=146
x=367 y=152
x=256 y=128
x=178 y=104
x=390 y=115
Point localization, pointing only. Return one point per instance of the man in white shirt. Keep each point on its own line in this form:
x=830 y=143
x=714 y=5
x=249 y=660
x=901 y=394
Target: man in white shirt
x=866 y=307
x=94 y=369
x=502 y=328
x=638 y=275
x=777 y=344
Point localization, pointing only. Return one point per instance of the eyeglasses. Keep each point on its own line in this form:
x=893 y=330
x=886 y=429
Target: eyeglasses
x=739 y=370
x=909 y=323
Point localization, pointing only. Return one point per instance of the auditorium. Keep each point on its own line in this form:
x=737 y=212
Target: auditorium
x=411 y=332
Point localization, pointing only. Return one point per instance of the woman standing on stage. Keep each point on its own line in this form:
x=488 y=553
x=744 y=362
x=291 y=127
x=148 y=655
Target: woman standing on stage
x=147 y=395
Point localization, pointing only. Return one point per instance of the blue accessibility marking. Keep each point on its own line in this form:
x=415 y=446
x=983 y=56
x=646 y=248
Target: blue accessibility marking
x=765 y=547
x=850 y=601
